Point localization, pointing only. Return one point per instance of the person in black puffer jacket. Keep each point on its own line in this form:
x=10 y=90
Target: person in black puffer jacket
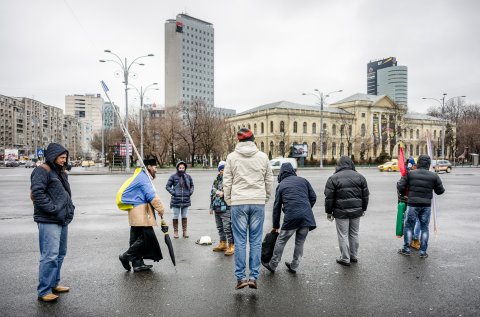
x=296 y=197
x=180 y=186
x=419 y=183
x=346 y=200
x=53 y=211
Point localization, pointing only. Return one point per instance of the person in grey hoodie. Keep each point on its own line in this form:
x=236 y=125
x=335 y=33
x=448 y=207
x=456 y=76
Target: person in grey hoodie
x=53 y=211
x=247 y=186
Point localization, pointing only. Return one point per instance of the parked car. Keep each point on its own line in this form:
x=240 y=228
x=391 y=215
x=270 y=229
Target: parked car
x=442 y=165
x=276 y=163
x=88 y=163
x=11 y=163
x=30 y=164
x=391 y=166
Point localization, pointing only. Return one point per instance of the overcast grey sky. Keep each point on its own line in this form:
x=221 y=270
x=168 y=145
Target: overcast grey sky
x=265 y=50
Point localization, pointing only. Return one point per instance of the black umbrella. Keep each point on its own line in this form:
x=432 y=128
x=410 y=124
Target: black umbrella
x=168 y=242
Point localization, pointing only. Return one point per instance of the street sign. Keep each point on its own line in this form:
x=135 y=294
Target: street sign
x=40 y=153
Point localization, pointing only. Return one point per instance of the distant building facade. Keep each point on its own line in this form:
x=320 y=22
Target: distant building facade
x=386 y=77
x=362 y=126
x=189 y=61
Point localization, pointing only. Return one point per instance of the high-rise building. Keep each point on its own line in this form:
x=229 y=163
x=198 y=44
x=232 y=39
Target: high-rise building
x=372 y=69
x=189 y=61
x=393 y=82
x=86 y=107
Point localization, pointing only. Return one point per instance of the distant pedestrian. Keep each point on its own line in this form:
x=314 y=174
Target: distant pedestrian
x=142 y=199
x=247 y=186
x=410 y=163
x=296 y=197
x=346 y=200
x=53 y=211
x=180 y=186
x=223 y=215
x=420 y=183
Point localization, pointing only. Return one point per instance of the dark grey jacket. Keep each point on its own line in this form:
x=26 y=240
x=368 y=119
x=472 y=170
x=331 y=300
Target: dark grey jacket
x=51 y=193
x=296 y=197
x=418 y=184
x=180 y=186
x=346 y=191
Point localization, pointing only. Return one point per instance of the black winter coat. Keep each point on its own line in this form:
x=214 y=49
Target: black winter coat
x=346 y=191
x=180 y=186
x=420 y=183
x=51 y=193
x=296 y=197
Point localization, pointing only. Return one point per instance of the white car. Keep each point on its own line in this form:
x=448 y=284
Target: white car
x=276 y=163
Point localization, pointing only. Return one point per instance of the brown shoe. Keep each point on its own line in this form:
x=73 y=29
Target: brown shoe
x=241 y=284
x=222 y=246
x=48 y=298
x=61 y=289
x=230 y=250
x=252 y=283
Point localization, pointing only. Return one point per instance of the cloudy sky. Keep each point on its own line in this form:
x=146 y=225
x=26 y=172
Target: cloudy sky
x=265 y=50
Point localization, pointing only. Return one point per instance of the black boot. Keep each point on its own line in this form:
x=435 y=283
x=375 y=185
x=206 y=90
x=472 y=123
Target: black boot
x=124 y=261
x=139 y=266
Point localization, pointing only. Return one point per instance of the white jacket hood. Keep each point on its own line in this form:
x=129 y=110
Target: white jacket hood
x=247 y=148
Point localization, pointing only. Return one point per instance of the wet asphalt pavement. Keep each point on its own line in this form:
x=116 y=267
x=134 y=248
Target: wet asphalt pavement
x=381 y=283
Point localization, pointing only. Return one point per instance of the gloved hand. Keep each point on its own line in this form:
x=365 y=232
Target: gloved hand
x=330 y=217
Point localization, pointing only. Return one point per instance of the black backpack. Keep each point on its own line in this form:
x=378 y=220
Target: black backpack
x=268 y=245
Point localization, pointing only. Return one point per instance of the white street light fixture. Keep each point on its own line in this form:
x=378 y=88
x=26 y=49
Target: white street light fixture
x=321 y=97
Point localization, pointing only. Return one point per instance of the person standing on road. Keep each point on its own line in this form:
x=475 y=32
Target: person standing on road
x=223 y=215
x=139 y=198
x=180 y=186
x=346 y=200
x=420 y=183
x=296 y=197
x=53 y=211
x=247 y=186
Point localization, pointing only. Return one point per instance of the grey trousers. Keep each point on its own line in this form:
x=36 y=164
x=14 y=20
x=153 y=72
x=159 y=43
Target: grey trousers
x=283 y=237
x=347 y=232
x=224 y=225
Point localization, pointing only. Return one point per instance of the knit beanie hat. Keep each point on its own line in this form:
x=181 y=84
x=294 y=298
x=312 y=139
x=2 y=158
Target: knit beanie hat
x=245 y=134
x=221 y=165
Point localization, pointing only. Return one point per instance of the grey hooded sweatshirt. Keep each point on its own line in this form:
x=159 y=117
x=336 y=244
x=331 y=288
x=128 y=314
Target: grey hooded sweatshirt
x=248 y=177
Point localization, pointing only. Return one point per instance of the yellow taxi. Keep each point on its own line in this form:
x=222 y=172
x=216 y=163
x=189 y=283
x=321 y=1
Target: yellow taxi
x=88 y=163
x=391 y=166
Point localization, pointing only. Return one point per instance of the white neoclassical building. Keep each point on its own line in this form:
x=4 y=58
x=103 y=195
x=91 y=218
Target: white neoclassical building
x=362 y=126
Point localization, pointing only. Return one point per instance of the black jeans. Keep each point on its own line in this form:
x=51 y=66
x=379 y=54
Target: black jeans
x=143 y=245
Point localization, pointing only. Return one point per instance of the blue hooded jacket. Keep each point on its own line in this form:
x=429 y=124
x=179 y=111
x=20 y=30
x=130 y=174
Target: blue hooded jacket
x=51 y=192
x=296 y=197
x=180 y=186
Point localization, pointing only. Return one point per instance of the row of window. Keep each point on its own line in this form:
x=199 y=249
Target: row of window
x=305 y=129
x=198 y=31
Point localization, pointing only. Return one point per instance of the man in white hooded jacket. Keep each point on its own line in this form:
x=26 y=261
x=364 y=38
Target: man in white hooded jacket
x=247 y=185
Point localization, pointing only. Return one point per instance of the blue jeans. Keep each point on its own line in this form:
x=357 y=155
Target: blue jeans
x=416 y=230
x=247 y=219
x=178 y=210
x=423 y=215
x=53 y=248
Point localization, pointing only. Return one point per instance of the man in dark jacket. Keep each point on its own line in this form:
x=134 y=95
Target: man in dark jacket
x=180 y=186
x=53 y=211
x=420 y=184
x=346 y=200
x=296 y=197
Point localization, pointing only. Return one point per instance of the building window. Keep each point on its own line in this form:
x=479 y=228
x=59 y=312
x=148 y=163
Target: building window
x=350 y=130
x=342 y=149
x=417 y=152
x=314 y=148
x=249 y=127
x=363 y=130
x=350 y=148
x=411 y=133
x=271 y=126
x=282 y=148
x=262 y=128
x=262 y=147
x=363 y=115
x=435 y=135
x=418 y=136
x=282 y=126
x=334 y=129
x=271 y=148
x=334 y=149
x=254 y=128
x=304 y=127
x=295 y=127
x=314 y=128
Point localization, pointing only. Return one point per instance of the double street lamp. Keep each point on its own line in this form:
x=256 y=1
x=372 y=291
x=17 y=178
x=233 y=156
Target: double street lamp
x=321 y=98
x=442 y=103
x=142 y=93
x=125 y=66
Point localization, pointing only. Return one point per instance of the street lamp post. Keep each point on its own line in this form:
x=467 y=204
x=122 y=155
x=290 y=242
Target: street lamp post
x=442 y=103
x=321 y=97
x=142 y=93
x=125 y=66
